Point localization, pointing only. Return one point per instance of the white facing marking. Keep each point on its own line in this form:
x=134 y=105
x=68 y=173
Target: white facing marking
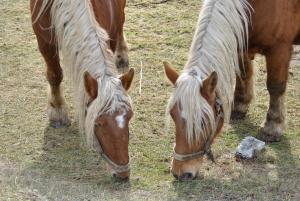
x=121 y=120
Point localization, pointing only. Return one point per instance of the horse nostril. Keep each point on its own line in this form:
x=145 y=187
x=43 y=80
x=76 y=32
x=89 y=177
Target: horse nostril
x=175 y=175
x=186 y=176
x=118 y=178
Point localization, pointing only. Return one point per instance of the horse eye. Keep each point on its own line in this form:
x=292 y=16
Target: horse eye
x=100 y=123
x=172 y=114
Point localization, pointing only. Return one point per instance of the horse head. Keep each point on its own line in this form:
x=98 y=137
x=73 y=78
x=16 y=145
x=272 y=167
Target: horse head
x=197 y=122
x=111 y=129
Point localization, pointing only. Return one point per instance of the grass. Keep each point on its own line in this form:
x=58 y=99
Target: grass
x=38 y=162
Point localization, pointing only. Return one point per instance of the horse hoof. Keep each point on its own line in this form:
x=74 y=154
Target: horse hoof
x=58 y=117
x=237 y=115
x=268 y=138
x=120 y=179
x=122 y=64
x=60 y=124
x=186 y=177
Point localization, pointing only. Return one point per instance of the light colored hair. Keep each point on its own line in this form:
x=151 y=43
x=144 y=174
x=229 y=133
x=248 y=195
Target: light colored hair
x=83 y=47
x=221 y=34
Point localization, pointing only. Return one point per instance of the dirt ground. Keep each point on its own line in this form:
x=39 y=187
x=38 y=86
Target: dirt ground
x=38 y=162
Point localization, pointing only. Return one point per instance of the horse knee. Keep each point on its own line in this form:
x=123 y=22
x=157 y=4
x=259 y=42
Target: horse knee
x=276 y=88
x=54 y=76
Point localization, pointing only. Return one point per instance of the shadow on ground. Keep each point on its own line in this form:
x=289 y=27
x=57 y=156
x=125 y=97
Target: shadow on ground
x=65 y=170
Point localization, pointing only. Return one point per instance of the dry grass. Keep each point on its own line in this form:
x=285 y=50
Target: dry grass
x=41 y=163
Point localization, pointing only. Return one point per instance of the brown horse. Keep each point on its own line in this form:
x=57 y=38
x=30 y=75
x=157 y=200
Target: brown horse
x=205 y=90
x=85 y=33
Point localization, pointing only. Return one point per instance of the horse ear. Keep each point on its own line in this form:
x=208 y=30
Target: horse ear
x=127 y=78
x=210 y=83
x=91 y=85
x=171 y=73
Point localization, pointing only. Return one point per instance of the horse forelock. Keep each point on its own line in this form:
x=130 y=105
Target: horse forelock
x=84 y=48
x=221 y=35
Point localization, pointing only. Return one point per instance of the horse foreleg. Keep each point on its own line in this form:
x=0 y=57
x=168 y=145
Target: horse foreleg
x=277 y=68
x=121 y=53
x=243 y=90
x=57 y=110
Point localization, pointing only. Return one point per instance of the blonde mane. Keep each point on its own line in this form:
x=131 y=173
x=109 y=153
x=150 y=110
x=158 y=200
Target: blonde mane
x=221 y=34
x=83 y=47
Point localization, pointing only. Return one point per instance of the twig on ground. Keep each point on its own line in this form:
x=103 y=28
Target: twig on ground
x=150 y=3
x=141 y=78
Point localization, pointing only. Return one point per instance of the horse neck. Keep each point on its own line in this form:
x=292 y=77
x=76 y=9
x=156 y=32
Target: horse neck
x=83 y=43
x=222 y=30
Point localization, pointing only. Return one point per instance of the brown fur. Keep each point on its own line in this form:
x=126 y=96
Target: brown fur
x=275 y=28
x=113 y=24
x=171 y=73
x=113 y=143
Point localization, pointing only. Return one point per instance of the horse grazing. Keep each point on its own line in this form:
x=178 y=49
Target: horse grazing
x=219 y=73
x=80 y=30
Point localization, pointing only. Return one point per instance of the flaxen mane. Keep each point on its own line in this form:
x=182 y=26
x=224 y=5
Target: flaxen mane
x=222 y=32
x=83 y=46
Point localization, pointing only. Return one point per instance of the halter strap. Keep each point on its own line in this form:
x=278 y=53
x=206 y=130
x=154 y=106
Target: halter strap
x=207 y=147
x=186 y=157
x=117 y=168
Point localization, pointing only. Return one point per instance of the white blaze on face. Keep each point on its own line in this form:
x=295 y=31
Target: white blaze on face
x=121 y=120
